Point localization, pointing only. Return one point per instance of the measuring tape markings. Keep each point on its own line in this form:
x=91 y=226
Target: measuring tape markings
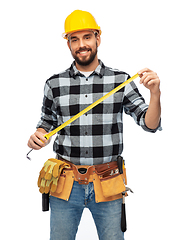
x=50 y=134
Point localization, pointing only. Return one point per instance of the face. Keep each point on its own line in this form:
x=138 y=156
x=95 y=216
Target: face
x=83 y=46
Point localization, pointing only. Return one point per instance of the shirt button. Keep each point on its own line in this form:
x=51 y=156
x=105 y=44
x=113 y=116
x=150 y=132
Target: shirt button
x=86 y=96
x=86 y=133
x=86 y=79
x=86 y=114
x=86 y=152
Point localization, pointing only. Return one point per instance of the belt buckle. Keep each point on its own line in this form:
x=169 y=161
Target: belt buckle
x=83 y=176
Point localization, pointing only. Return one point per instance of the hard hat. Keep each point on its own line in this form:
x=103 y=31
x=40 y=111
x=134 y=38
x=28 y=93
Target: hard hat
x=80 y=20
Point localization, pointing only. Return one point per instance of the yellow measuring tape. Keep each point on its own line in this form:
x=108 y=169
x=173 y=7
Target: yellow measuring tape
x=50 y=134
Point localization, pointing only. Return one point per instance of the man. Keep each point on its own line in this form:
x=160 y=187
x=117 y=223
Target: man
x=96 y=137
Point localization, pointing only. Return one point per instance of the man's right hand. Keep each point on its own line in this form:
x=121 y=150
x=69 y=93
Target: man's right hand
x=37 y=140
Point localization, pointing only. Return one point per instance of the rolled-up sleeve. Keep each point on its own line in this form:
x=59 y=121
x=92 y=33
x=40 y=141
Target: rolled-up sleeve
x=48 y=119
x=135 y=106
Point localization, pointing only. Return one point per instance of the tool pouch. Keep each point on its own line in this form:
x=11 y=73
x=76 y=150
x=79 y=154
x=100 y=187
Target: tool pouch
x=112 y=186
x=108 y=182
x=65 y=184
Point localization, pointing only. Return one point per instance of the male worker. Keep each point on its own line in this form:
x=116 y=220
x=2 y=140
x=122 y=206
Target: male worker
x=97 y=136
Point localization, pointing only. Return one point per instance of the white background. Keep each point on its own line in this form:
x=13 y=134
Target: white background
x=135 y=34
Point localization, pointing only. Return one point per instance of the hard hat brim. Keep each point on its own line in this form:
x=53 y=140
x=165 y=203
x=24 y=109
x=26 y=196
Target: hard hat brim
x=65 y=35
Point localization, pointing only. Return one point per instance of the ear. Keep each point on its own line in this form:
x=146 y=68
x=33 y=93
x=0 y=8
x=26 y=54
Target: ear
x=98 y=39
x=68 y=44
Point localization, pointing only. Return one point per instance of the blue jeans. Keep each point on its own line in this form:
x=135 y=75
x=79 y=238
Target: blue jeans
x=66 y=215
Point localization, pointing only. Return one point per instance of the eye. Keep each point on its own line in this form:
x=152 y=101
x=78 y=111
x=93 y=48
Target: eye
x=74 y=40
x=87 y=37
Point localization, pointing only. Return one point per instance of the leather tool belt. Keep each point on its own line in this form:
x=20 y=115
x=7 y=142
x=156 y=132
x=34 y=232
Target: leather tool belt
x=107 y=180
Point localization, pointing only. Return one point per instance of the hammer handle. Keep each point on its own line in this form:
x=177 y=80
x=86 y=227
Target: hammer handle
x=45 y=202
x=123 y=219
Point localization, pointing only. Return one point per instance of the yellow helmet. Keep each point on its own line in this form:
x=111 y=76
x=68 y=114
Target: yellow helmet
x=80 y=20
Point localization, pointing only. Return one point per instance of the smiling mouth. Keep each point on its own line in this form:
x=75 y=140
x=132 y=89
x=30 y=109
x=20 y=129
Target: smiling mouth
x=83 y=52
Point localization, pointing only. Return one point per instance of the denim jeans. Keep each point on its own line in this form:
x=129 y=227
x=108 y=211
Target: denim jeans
x=66 y=215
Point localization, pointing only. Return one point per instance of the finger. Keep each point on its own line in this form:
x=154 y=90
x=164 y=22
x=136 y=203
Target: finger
x=40 y=136
x=36 y=142
x=151 y=82
x=32 y=144
x=144 y=78
x=147 y=77
x=39 y=142
x=154 y=81
x=144 y=70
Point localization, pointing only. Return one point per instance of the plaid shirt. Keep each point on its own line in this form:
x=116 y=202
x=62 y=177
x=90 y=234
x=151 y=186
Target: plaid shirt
x=97 y=136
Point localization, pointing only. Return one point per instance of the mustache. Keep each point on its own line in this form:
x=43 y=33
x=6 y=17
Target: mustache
x=83 y=49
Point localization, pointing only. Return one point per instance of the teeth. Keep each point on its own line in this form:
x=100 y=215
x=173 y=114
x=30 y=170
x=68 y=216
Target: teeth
x=84 y=52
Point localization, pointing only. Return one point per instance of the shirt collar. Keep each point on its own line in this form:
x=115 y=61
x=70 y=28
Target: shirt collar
x=100 y=70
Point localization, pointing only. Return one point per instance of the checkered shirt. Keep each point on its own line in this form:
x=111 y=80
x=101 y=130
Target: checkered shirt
x=97 y=136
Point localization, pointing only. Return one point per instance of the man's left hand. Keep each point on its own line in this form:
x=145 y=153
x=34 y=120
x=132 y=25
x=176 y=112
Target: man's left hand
x=150 y=80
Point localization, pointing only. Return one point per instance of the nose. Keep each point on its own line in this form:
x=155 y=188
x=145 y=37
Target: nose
x=81 y=43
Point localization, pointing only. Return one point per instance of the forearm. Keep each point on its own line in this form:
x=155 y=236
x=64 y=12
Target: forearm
x=153 y=114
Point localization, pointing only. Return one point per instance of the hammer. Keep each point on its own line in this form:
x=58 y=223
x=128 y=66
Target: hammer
x=123 y=213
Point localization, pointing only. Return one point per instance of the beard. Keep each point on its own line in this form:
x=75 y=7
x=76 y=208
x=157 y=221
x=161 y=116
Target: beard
x=85 y=61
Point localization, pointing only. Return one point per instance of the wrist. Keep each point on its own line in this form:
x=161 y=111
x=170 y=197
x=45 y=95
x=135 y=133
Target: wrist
x=155 y=95
x=41 y=130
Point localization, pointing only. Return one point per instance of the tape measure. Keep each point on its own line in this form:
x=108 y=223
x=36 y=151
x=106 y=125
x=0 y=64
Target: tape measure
x=50 y=134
